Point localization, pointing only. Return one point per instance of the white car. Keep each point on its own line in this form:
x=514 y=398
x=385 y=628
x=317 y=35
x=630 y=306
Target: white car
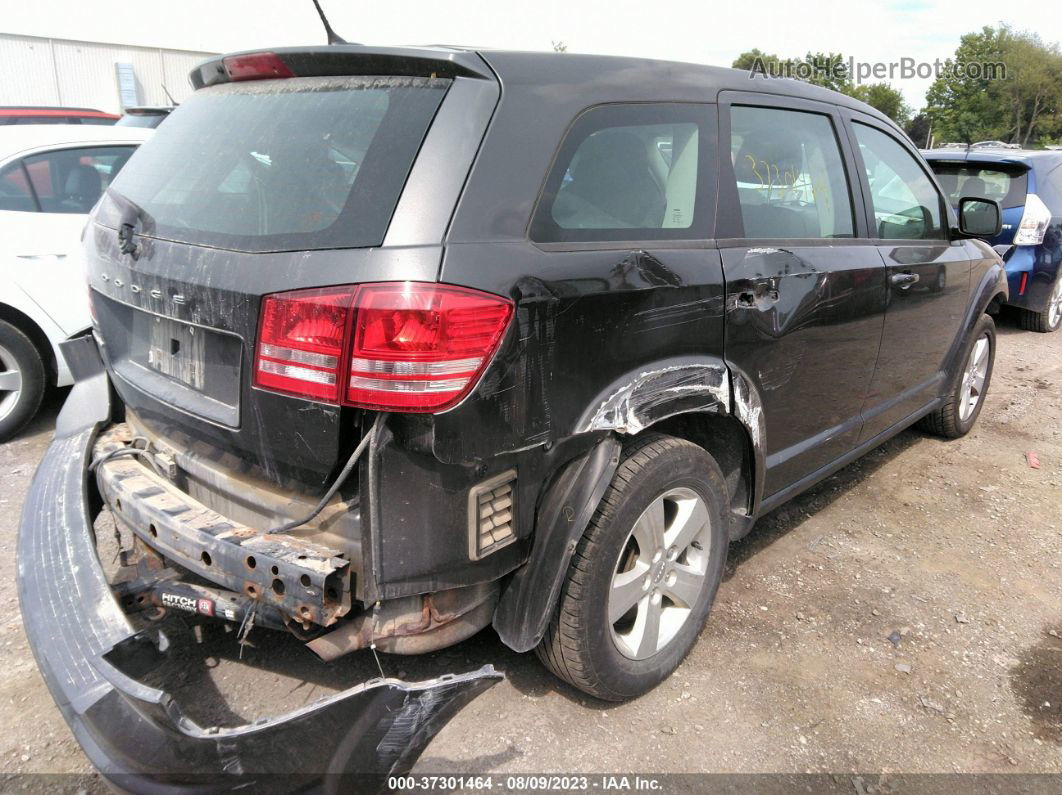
x=50 y=177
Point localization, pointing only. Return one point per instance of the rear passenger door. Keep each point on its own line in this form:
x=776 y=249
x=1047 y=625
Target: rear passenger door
x=928 y=275
x=805 y=287
x=44 y=199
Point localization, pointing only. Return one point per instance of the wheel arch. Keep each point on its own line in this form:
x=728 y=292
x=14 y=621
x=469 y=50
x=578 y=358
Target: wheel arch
x=688 y=398
x=702 y=399
x=726 y=439
x=28 y=326
x=989 y=293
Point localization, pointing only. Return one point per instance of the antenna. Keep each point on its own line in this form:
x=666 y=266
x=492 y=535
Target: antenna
x=333 y=37
x=169 y=96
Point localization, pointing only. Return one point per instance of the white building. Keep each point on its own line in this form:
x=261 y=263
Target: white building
x=87 y=74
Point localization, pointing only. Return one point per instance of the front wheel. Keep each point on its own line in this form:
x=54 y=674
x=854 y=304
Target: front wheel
x=968 y=384
x=645 y=573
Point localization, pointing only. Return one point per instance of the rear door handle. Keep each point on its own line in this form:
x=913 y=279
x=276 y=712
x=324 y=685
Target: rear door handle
x=904 y=280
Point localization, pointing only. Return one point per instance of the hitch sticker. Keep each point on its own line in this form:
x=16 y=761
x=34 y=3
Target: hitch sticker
x=189 y=604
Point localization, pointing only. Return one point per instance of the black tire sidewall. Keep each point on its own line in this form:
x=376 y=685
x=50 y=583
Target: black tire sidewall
x=984 y=325
x=687 y=466
x=33 y=379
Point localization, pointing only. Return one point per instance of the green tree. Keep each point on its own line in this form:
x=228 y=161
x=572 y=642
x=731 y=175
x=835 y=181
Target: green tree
x=918 y=130
x=829 y=70
x=1019 y=102
x=757 y=60
x=1032 y=88
x=886 y=99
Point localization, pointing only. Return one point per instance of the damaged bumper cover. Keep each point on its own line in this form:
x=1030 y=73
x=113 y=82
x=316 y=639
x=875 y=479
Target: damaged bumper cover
x=136 y=735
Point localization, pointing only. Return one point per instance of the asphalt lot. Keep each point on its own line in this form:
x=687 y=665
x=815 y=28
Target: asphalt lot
x=954 y=549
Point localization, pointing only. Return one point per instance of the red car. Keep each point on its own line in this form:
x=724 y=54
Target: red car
x=54 y=115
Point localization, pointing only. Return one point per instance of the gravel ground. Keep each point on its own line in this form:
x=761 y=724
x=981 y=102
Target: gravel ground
x=902 y=617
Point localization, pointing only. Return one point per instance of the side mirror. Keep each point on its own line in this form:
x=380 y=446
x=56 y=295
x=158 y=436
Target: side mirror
x=979 y=217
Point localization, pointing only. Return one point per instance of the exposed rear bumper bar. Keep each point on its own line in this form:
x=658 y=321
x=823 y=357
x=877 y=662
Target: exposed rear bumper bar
x=306 y=581
x=136 y=735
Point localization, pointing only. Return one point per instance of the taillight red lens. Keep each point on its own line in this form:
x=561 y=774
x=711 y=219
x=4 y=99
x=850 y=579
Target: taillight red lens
x=257 y=66
x=301 y=342
x=421 y=347
x=403 y=346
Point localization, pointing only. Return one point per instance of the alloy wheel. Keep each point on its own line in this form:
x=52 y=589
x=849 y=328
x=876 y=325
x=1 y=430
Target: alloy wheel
x=972 y=389
x=660 y=574
x=1054 y=305
x=10 y=382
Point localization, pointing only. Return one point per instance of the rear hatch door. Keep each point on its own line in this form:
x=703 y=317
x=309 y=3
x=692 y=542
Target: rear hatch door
x=253 y=188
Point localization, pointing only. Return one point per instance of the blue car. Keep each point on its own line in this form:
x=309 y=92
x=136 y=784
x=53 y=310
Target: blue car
x=1027 y=184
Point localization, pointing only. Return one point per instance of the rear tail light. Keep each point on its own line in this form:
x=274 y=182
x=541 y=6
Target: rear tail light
x=1024 y=283
x=402 y=346
x=302 y=339
x=256 y=66
x=1034 y=222
x=421 y=347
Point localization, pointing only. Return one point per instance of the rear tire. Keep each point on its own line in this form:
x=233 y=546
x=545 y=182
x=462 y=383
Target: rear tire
x=968 y=385
x=22 y=380
x=669 y=493
x=1050 y=318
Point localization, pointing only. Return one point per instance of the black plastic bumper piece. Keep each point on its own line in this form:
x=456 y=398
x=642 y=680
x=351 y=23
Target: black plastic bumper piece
x=137 y=735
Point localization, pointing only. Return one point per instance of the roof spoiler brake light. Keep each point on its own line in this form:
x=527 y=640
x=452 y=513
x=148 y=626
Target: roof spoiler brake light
x=256 y=66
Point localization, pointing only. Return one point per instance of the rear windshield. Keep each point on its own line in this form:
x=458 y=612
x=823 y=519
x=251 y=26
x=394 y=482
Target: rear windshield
x=278 y=165
x=963 y=181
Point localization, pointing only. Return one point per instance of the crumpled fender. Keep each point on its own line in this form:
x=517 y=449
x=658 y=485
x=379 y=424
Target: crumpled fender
x=526 y=605
x=138 y=736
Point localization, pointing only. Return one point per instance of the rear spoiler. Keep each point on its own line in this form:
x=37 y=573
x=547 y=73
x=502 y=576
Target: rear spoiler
x=349 y=59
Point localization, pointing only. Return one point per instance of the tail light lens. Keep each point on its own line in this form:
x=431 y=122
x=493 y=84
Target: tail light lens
x=403 y=346
x=1034 y=222
x=302 y=339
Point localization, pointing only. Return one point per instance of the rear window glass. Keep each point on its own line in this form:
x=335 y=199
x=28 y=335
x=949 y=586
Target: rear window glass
x=279 y=165
x=962 y=181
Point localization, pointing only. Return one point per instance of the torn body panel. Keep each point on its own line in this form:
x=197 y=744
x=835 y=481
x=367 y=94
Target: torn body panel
x=136 y=735
x=665 y=391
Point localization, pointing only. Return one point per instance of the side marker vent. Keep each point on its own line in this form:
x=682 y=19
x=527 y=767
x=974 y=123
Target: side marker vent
x=491 y=511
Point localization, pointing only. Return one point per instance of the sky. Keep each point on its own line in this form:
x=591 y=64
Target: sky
x=698 y=31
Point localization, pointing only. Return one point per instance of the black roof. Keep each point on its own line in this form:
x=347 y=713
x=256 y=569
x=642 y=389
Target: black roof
x=633 y=79
x=666 y=79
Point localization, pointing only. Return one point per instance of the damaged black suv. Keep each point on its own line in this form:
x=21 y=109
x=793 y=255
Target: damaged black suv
x=398 y=344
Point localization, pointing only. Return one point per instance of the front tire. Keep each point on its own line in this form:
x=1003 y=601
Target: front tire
x=645 y=573
x=22 y=380
x=1050 y=318
x=968 y=385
